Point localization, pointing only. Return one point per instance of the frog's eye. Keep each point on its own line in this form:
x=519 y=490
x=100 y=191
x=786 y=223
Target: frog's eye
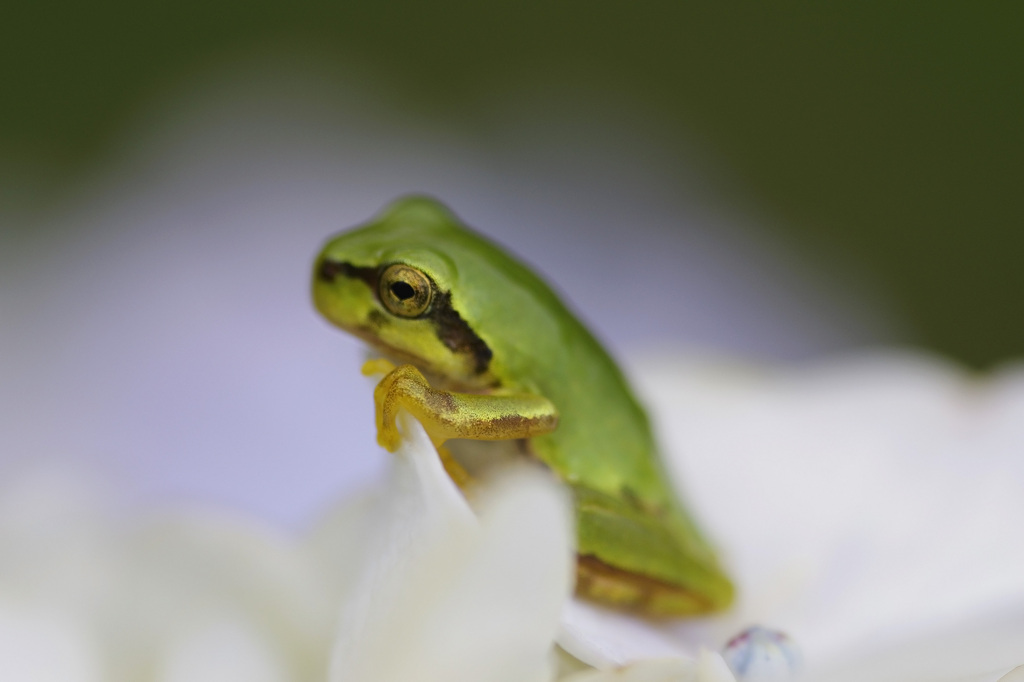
x=404 y=290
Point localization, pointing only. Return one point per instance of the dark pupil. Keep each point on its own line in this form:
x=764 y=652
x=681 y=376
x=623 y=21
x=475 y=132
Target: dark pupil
x=403 y=291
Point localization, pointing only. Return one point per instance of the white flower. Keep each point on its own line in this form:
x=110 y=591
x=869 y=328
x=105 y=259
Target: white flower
x=186 y=595
x=708 y=667
x=872 y=508
x=445 y=596
x=873 y=511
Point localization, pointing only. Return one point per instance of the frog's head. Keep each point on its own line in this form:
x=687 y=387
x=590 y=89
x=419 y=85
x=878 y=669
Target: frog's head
x=390 y=283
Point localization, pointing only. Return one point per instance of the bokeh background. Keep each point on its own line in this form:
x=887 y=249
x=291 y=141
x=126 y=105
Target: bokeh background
x=780 y=184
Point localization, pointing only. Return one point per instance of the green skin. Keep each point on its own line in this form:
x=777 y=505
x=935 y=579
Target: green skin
x=501 y=357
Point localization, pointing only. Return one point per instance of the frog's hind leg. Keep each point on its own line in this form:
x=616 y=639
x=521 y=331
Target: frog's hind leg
x=615 y=587
x=649 y=561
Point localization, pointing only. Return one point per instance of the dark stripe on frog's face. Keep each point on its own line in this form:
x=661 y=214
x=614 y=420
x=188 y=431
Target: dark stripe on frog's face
x=451 y=329
x=456 y=335
x=330 y=269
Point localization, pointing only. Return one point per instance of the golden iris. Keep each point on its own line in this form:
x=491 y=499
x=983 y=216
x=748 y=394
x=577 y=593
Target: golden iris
x=405 y=291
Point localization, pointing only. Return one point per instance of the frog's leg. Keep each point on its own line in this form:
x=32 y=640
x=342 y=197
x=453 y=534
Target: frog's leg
x=447 y=415
x=455 y=470
x=652 y=562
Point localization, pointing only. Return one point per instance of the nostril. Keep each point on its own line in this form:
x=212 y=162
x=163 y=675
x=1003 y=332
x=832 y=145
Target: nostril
x=329 y=270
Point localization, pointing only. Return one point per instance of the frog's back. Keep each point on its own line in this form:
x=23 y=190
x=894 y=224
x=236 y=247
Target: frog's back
x=657 y=561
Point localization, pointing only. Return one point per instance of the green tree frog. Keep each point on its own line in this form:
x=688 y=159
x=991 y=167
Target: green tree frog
x=476 y=346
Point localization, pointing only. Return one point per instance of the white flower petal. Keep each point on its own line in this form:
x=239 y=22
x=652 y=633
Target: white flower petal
x=224 y=651
x=186 y=571
x=859 y=504
x=1015 y=675
x=341 y=541
x=508 y=597
x=45 y=647
x=58 y=548
x=446 y=597
x=604 y=638
x=134 y=589
x=986 y=649
x=708 y=667
x=712 y=668
x=652 y=670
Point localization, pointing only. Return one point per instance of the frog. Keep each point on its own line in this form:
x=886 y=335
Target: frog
x=481 y=350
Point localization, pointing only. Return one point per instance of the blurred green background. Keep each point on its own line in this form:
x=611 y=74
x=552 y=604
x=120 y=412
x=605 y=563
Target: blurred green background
x=889 y=133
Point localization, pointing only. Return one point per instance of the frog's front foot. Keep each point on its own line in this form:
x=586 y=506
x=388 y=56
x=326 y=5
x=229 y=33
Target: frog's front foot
x=406 y=387
x=447 y=415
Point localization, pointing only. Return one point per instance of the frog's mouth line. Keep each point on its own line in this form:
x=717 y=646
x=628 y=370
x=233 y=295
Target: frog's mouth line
x=388 y=352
